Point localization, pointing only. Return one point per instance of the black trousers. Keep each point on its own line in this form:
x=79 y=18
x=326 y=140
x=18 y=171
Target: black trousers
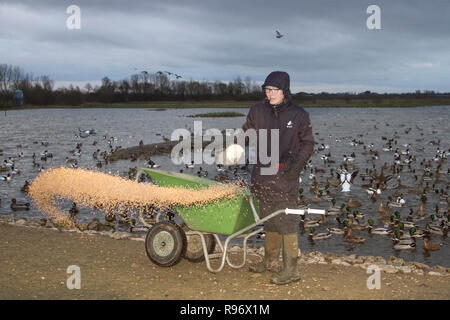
x=282 y=223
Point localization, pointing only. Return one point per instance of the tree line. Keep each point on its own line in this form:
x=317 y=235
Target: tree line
x=145 y=86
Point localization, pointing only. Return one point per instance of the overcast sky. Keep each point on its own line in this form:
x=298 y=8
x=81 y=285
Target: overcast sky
x=326 y=46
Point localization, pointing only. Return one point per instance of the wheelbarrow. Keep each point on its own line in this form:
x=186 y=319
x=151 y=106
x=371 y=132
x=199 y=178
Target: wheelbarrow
x=195 y=235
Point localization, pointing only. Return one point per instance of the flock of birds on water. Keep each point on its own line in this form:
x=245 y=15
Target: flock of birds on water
x=386 y=194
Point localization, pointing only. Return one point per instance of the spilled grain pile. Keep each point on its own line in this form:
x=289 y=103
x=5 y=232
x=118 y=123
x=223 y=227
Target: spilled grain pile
x=110 y=193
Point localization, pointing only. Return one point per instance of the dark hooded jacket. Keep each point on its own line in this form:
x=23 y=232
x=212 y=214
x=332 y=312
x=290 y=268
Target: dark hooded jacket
x=296 y=142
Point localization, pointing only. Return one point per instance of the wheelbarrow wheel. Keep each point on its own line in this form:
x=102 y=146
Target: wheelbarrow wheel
x=194 y=249
x=165 y=244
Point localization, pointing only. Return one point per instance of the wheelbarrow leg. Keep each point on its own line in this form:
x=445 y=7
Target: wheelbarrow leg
x=207 y=256
x=245 y=250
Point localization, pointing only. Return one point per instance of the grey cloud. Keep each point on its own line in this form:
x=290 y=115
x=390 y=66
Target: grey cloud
x=325 y=41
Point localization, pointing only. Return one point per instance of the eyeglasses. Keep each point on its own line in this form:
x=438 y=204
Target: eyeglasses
x=267 y=90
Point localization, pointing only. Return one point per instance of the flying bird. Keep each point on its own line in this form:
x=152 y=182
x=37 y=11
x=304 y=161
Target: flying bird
x=279 y=35
x=178 y=77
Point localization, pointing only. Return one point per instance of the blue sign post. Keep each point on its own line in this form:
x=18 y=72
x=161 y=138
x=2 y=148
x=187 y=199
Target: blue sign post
x=18 y=98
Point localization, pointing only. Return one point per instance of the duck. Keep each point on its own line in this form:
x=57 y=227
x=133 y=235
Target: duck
x=405 y=246
x=427 y=245
x=403 y=242
x=332 y=210
x=380 y=231
x=416 y=233
x=353 y=204
x=420 y=211
x=357 y=215
x=319 y=236
x=352 y=239
x=192 y=165
x=6 y=178
x=401 y=201
x=16 y=206
x=308 y=224
x=417 y=191
x=110 y=216
x=411 y=217
x=9 y=163
x=26 y=187
x=441 y=230
x=372 y=192
x=357 y=226
x=335 y=231
x=151 y=164
x=14 y=170
x=394 y=204
x=381 y=207
x=401 y=186
x=74 y=210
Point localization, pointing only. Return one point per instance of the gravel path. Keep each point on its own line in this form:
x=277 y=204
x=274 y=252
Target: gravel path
x=34 y=263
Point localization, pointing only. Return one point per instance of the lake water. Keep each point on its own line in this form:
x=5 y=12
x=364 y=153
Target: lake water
x=25 y=131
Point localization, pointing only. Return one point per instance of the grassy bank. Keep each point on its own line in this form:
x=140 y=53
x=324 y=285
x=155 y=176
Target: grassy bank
x=307 y=103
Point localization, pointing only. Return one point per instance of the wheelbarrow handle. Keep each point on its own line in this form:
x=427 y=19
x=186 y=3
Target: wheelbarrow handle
x=303 y=211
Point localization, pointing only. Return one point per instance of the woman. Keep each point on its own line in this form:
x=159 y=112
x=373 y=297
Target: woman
x=280 y=190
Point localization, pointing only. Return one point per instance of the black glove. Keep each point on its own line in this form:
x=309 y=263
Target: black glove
x=293 y=169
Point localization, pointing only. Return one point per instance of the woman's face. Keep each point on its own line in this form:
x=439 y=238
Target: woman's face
x=274 y=94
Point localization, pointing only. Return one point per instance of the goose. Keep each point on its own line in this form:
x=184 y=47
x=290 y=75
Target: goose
x=16 y=206
x=279 y=35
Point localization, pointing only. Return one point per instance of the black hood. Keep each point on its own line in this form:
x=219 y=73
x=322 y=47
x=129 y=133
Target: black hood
x=279 y=79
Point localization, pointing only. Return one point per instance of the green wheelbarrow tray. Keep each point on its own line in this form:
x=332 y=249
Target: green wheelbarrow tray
x=225 y=216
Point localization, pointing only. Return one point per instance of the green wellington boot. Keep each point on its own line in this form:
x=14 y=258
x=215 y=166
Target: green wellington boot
x=271 y=254
x=290 y=255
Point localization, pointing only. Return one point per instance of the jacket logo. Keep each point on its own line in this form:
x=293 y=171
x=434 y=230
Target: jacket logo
x=289 y=124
